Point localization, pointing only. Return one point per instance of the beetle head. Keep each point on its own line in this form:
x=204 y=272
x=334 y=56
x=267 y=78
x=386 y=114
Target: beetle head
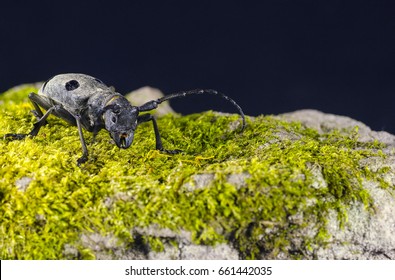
x=120 y=120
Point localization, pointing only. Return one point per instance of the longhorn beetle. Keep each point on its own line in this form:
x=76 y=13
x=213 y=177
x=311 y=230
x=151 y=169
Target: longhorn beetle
x=86 y=102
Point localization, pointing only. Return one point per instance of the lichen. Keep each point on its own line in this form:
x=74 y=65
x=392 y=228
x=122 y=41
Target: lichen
x=119 y=190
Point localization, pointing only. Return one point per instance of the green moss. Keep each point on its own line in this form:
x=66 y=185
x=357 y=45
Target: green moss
x=117 y=190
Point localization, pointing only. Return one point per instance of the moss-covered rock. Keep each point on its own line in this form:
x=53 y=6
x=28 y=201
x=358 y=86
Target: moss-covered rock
x=285 y=188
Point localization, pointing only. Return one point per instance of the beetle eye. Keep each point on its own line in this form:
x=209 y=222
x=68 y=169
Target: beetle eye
x=116 y=110
x=114 y=119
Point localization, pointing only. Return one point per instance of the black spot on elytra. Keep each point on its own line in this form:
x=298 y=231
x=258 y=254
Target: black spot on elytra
x=72 y=85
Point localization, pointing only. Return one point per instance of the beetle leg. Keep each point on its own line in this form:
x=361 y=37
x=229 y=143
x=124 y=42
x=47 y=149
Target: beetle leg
x=42 y=121
x=159 y=146
x=36 y=127
x=84 y=156
x=95 y=131
x=37 y=110
x=43 y=102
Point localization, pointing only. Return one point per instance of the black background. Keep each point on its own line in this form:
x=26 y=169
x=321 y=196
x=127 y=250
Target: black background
x=271 y=56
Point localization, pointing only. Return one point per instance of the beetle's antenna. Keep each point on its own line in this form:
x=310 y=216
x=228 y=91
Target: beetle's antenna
x=204 y=91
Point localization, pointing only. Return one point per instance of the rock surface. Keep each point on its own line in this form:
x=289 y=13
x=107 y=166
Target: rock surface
x=366 y=235
x=142 y=95
x=226 y=197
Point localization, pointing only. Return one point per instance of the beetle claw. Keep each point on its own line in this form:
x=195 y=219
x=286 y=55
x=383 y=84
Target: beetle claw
x=171 y=152
x=13 y=136
x=82 y=160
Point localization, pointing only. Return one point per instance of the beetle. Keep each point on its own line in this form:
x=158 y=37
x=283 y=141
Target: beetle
x=86 y=102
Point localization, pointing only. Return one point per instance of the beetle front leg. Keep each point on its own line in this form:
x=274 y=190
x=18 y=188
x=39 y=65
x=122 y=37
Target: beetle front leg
x=158 y=140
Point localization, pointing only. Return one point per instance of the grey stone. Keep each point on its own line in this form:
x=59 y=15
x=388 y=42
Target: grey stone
x=200 y=181
x=142 y=95
x=156 y=231
x=170 y=252
x=106 y=247
x=23 y=183
x=323 y=122
x=238 y=179
x=219 y=252
x=366 y=234
x=186 y=249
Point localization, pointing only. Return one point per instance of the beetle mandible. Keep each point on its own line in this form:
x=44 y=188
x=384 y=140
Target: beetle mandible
x=86 y=102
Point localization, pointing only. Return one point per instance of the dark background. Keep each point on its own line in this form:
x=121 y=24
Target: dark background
x=271 y=56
